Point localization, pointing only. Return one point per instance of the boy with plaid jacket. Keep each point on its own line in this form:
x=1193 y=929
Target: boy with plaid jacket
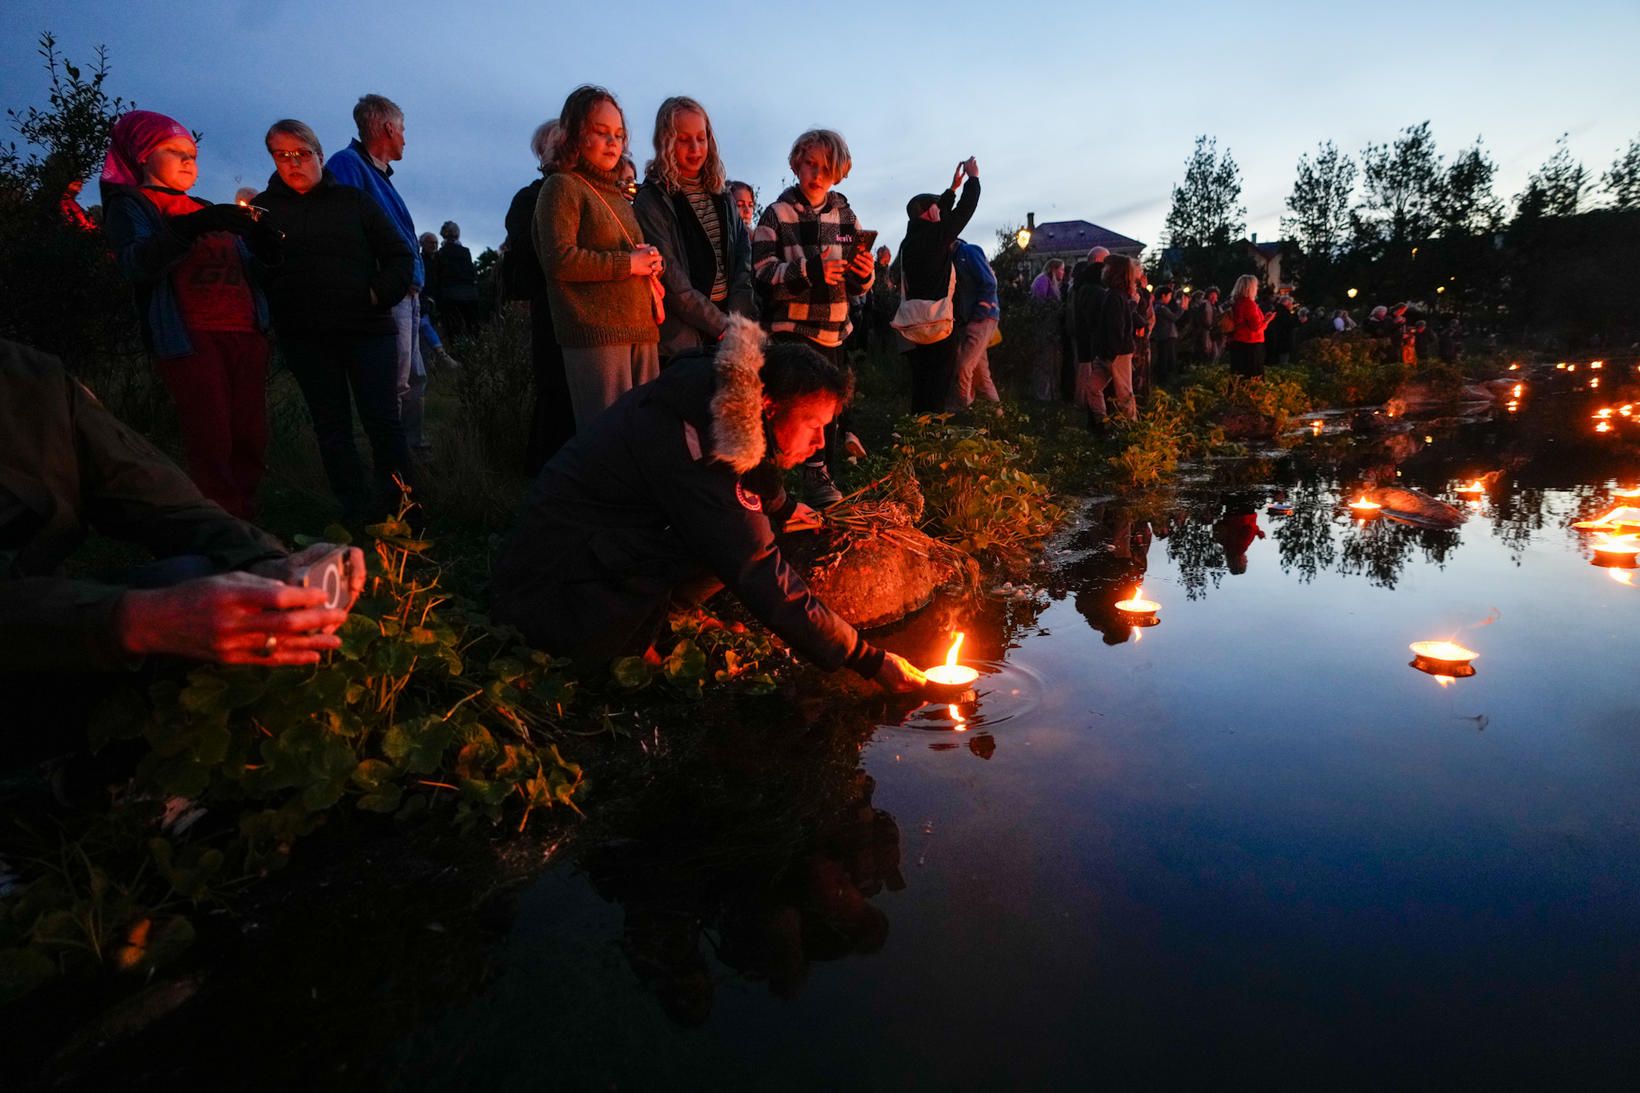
x=807 y=261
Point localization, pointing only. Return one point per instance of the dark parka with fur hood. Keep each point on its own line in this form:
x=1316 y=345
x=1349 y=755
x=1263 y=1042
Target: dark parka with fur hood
x=668 y=485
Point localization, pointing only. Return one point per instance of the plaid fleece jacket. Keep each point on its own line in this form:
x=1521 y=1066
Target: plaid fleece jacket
x=791 y=240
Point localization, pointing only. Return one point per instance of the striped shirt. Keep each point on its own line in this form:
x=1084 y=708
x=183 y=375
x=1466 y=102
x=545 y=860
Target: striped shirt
x=706 y=212
x=791 y=240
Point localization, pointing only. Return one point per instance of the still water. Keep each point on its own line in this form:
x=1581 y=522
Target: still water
x=1250 y=842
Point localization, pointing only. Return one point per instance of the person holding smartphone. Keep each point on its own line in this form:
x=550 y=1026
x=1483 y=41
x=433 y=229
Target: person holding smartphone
x=933 y=224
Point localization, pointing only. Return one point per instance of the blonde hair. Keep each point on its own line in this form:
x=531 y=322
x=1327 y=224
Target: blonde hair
x=832 y=147
x=1246 y=285
x=541 y=141
x=663 y=169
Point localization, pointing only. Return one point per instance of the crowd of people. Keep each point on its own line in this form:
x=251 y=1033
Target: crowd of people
x=688 y=348
x=1119 y=335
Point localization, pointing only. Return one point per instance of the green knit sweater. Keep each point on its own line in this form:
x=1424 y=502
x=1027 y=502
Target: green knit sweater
x=586 y=257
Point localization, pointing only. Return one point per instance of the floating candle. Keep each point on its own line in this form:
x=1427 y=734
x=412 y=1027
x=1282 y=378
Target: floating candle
x=1445 y=660
x=1616 y=551
x=1139 y=611
x=1364 y=509
x=1472 y=487
x=952 y=675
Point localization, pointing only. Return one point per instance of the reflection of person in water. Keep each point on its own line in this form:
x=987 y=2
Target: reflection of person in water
x=1235 y=530
x=1113 y=570
x=769 y=899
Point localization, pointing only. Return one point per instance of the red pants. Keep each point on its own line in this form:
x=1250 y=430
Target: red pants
x=221 y=397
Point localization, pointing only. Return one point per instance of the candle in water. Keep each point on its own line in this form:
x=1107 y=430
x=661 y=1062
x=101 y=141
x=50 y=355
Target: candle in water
x=952 y=674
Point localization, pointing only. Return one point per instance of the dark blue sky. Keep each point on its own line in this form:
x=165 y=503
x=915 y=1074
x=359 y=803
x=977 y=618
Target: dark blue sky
x=1074 y=109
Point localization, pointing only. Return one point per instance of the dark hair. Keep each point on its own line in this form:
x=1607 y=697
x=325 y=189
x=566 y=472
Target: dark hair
x=791 y=371
x=572 y=124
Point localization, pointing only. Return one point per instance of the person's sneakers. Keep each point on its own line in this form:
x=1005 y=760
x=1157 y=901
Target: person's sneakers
x=819 y=491
x=445 y=360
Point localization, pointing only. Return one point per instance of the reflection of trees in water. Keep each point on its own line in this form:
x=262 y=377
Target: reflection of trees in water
x=1197 y=555
x=1380 y=549
x=751 y=847
x=1304 y=540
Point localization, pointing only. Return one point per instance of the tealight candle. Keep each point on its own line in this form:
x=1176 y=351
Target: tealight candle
x=1472 y=487
x=951 y=675
x=1445 y=660
x=1364 y=509
x=1140 y=611
x=1617 y=551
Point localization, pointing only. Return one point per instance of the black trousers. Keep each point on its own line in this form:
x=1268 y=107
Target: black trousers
x=334 y=373
x=553 y=422
x=932 y=368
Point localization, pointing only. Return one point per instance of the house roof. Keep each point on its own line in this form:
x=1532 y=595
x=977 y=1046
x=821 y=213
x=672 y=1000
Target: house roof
x=1267 y=250
x=1078 y=235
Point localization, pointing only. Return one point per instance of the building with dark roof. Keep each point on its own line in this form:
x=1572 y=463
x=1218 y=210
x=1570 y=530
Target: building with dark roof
x=1070 y=240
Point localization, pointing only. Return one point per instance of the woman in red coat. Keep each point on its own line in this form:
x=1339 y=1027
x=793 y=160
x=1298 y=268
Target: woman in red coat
x=1247 y=338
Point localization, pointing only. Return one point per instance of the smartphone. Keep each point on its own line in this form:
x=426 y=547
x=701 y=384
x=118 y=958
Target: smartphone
x=865 y=242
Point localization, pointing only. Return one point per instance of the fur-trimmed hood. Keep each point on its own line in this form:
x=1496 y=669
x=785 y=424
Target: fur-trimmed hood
x=737 y=402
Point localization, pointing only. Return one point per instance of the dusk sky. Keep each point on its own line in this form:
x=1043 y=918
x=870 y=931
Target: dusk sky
x=1075 y=110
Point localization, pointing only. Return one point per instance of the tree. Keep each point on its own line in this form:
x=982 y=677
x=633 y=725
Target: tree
x=60 y=286
x=1400 y=185
x=1622 y=182
x=1465 y=205
x=65 y=141
x=1554 y=189
x=1207 y=214
x=1320 y=203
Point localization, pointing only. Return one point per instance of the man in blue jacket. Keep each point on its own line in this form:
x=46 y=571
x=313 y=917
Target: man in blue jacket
x=366 y=163
x=977 y=313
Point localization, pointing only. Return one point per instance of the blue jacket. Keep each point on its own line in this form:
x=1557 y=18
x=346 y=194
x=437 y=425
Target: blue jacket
x=145 y=248
x=976 y=297
x=352 y=166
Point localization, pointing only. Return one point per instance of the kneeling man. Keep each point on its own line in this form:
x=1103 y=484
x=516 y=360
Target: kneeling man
x=675 y=487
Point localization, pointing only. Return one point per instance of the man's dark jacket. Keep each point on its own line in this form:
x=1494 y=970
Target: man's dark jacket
x=668 y=485
x=67 y=466
x=339 y=247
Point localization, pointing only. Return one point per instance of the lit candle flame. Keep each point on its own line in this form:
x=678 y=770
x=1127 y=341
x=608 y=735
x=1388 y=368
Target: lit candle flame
x=1593 y=383
x=1603 y=427
x=1446 y=652
x=1603 y=413
x=951 y=657
x=1472 y=487
x=952 y=674
x=1518 y=389
x=1597 y=364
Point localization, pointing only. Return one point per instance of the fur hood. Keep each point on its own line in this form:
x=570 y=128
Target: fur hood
x=737 y=402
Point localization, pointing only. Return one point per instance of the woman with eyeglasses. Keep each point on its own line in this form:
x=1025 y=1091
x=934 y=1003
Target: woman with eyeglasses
x=343 y=267
x=204 y=321
x=602 y=278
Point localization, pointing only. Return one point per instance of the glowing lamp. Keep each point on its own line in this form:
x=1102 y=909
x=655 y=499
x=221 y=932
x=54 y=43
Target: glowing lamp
x=1597 y=364
x=1350 y=293
x=1445 y=660
x=1138 y=610
x=1514 y=366
x=1186 y=290
x=952 y=676
x=1561 y=366
x=1023 y=238
x=1439 y=289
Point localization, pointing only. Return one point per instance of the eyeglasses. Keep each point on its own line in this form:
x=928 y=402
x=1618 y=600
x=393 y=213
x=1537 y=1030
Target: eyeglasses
x=294 y=159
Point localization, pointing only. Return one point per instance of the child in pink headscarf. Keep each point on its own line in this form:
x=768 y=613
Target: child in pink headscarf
x=204 y=321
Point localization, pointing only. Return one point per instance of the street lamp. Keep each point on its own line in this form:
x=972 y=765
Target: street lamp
x=1023 y=238
x=1350 y=294
x=1439 y=289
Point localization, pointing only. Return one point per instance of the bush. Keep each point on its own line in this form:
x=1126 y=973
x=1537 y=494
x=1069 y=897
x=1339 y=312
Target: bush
x=1349 y=370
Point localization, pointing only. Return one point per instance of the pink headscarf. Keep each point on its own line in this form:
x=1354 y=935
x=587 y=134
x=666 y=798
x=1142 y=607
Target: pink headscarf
x=133 y=140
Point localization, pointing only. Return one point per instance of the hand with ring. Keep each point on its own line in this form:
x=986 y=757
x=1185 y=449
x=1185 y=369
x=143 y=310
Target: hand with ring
x=232 y=618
